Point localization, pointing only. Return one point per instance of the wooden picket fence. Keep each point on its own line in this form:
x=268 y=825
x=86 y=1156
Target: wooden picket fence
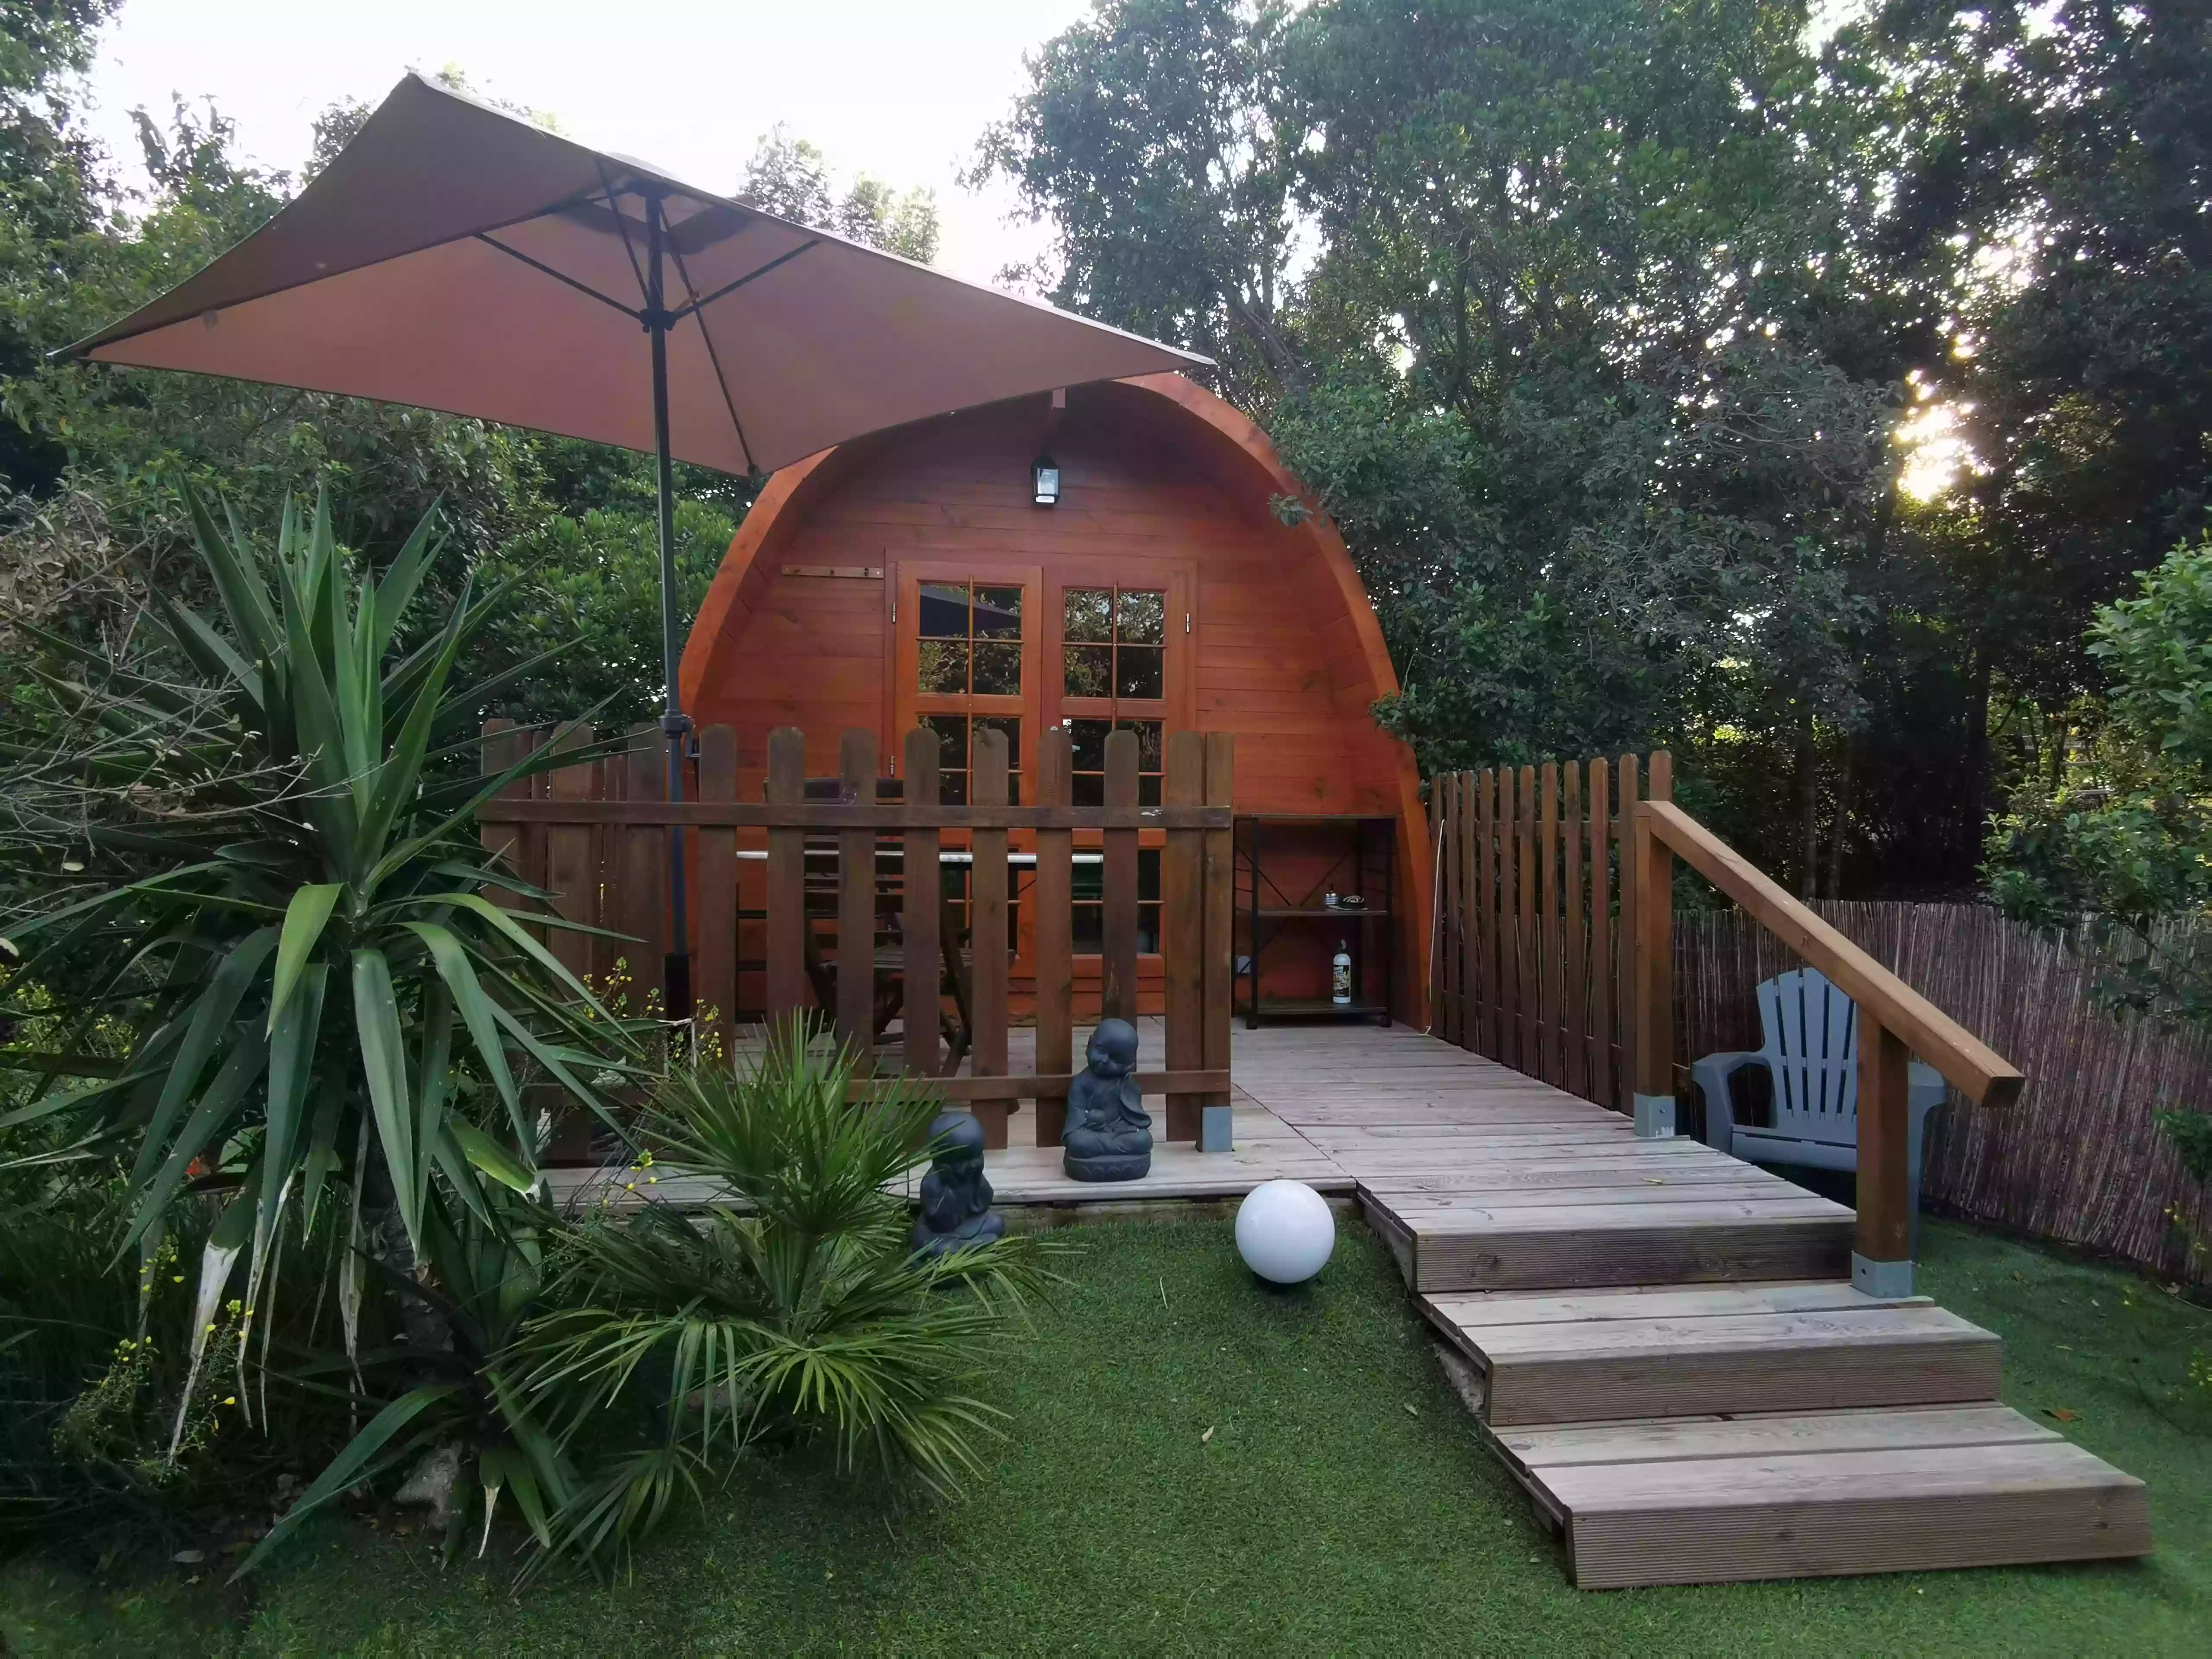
x=858 y=946
x=1533 y=963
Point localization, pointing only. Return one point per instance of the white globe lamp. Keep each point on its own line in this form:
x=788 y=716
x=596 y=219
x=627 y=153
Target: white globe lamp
x=1286 y=1231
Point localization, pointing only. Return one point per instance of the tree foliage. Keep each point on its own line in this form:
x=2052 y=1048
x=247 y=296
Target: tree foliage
x=1603 y=329
x=790 y=177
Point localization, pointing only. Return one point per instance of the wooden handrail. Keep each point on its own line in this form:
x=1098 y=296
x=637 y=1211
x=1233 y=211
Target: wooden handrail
x=1967 y=1063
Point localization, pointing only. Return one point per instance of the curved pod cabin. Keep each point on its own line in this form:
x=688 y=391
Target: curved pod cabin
x=911 y=578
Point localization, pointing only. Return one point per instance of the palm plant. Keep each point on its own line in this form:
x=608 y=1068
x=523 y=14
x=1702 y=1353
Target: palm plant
x=289 y=908
x=793 y=1308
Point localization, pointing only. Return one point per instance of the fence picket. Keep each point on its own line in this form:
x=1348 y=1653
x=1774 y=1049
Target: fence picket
x=502 y=747
x=714 y=917
x=987 y=931
x=572 y=873
x=1451 y=985
x=1182 y=877
x=1117 y=958
x=1524 y=838
x=1508 y=911
x=1601 y=943
x=785 y=900
x=1573 y=1074
x=1054 y=949
x=1482 y=919
x=923 y=899
x=1624 y=973
x=1460 y=943
x=856 y=898
x=1220 y=900
x=1547 y=854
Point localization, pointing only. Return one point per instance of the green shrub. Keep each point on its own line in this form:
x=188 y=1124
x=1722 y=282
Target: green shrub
x=109 y=1434
x=798 y=1313
x=287 y=902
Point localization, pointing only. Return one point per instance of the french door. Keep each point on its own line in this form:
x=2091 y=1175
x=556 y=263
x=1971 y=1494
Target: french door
x=1095 y=646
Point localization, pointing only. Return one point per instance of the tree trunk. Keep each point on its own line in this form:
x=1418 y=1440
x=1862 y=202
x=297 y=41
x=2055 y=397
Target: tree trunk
x=1974 y=785
x=1842 y=818
x=426 y=1329
x=1808 y=809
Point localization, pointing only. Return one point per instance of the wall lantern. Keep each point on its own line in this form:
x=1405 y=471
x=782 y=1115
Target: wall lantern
x=1046 y=474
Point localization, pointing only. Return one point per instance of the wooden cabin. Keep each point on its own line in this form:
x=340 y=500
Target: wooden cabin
x=919 y=576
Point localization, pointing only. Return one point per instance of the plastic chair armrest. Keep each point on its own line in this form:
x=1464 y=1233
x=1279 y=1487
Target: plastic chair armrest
x=1712 y=1075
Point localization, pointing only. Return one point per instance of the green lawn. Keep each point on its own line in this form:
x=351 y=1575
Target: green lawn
x=1342 y=1503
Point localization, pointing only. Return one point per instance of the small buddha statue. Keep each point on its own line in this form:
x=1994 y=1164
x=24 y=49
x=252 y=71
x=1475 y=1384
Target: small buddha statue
x=1108 y=1135
x=956 y=1198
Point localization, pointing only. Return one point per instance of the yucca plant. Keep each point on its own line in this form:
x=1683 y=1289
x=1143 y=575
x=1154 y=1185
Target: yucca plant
x=793 y=1308
x=460 y=1402
x=296 y=920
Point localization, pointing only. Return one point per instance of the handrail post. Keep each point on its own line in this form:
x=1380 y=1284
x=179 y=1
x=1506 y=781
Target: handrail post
x=1882 y=1257
x=1654 y=959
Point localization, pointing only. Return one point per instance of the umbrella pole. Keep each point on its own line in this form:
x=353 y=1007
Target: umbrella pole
x=675 y=724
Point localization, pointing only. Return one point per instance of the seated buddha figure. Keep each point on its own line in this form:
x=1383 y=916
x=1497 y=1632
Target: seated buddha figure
x=956 y=1198
x=1109 y=1136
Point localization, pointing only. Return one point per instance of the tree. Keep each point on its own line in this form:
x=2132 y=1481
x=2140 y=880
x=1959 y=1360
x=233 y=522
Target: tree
x=790 y=178
x=2118 y=853
x=2044 y=167
x=141 y=432
x=1565 y=361
x=53 y=195
x=1148 y=137
x=595 y=579
x=1597 y=324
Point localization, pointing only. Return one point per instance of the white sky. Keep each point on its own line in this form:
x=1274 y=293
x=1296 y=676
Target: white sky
x=899 y=88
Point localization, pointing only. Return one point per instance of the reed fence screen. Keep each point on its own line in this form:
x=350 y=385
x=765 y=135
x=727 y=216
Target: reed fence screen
x=799 y=896
x=2078 y=1158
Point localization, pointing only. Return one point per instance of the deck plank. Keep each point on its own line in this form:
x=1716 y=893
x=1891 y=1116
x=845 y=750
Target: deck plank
x=1541 y=1450
x=1711 y=1521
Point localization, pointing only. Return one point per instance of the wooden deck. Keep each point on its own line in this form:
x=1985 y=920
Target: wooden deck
x=1674 y=1362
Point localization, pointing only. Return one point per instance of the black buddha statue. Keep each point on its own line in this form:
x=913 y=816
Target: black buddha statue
x=956 y=1199
x=1109 y=1136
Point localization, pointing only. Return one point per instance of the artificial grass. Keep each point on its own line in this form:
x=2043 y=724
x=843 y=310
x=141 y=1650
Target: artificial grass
x=1341 y=1502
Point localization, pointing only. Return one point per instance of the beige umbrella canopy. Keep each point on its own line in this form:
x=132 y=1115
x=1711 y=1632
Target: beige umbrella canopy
x=455 y=258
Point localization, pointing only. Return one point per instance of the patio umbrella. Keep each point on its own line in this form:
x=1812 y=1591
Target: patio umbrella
x=457 y=259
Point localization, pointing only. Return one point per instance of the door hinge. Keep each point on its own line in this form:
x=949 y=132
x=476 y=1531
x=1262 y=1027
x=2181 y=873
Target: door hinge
x=1186 y=621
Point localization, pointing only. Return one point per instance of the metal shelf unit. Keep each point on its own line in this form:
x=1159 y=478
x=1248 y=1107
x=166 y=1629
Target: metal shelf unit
x=1363 y=852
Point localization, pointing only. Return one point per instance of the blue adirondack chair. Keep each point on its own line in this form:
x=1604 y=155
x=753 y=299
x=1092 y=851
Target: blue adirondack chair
x=1811 y=1033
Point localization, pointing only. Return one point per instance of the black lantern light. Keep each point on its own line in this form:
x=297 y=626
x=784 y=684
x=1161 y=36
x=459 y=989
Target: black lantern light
x=1046 y=473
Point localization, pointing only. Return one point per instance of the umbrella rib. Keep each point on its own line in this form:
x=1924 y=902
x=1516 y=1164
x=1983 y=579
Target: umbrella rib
x=699 y=305
x=93 y=341
x=714 y=357
x=622 y=223
x=558 y=276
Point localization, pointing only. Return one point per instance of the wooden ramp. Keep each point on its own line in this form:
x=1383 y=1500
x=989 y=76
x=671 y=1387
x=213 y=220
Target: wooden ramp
x=1674 y=1361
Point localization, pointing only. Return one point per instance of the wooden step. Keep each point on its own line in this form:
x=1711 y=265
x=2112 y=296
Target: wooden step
x=1636 y=1236
x=1680 y=1352
x=1817 y=1495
